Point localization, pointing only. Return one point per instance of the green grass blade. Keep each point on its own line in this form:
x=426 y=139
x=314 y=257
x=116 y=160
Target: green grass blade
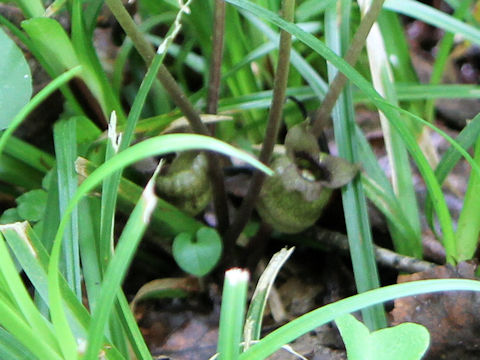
x=117 y=268
x=31 y=339
x=65 y=138
x=441 y=58
x=14 y=288
x=434 y=17
x=12 y=171
x=151 y=147
x=468 y=226
x=287 y=333
x=310 y=75
x=94 y=75
x=31 y=8
x=167 y=220
x=33 y=257
x=444 y=91
x=253 y=322
x=354 y=202
x=402 y=178
x=424 y=168
x=388 y=204
x=89 y=225
x=12 y=349
x=131 y=328
x=465 y=139
x=379 y=190
x=111 y=184
x=29 y=154
x=232 y=313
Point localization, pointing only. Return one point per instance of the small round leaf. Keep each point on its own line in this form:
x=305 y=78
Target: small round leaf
x=197 y=256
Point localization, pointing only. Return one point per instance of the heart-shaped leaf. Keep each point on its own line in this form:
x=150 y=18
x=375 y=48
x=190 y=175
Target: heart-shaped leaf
x=15 y=80
x=198 y=255
x=407 y=341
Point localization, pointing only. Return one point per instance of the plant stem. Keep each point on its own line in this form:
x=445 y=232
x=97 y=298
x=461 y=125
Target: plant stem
x=217 y=55
x=321 y=116
x=212 y=101
x=273 y=125
x=181 y=100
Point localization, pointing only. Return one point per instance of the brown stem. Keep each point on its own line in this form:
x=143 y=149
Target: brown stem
x=146 y=51
x=321 y=116
x=273 y=125
x=213 y=95
x=217 y=55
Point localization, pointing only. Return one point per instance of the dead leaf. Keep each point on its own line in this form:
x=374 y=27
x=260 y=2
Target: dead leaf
x=451 y=317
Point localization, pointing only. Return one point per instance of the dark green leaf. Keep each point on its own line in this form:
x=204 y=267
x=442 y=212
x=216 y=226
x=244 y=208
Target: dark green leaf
x=31 y=205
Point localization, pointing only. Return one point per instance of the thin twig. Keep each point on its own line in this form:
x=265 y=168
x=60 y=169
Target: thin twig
x=273 y=125
x=321 y=116
x=146 y=51
x=327 y=238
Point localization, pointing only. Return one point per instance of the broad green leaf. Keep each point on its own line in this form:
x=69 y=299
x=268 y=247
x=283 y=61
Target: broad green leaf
x=52 y=42
x=10 y=216
x=407 y=341
x=31 y=205
x=15 y=80
x=197 y=255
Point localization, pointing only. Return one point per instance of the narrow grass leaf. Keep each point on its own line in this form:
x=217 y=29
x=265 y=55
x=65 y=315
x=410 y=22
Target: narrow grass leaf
x=166 y=220
x=129 y=324
x=317 y=84
x=425 y=169
x=354 y=202
x=434 y=17
x=31 y=339
x=31 y=8
x=65 y=139
x=29 y=154
x=468 y=226
x=441 y=57
x=151 y=147
x=382 y=77
x=25 y=307
x=305 y=323
x=110 y=186
x=465 y=139
x=232 y=313
x=253 y=322
x=117 y=268
x=33 y=257
x=12 y=349
x=50 y=39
